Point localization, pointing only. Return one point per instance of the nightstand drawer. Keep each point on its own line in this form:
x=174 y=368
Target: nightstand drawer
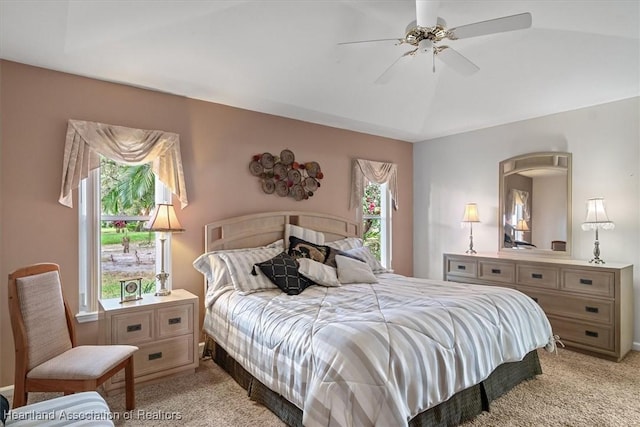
x=587 y=334
x=132 y=328
x=497 y=271
x=574 y=307
x=174 y=321
x=533 y=275
x=461 y=267
x=589 y=282
x=161 y=356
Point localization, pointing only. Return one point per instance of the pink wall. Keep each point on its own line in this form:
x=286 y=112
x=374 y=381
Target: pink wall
x=217 y=144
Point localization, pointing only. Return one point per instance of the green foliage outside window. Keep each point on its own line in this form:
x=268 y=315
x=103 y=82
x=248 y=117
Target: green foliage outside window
x=371 y=219
x=126 y=191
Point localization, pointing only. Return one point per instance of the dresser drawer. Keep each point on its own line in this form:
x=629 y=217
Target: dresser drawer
x=132 y=328
x=533 y=275
x=589 y=282
x=496 y=271
x=161 y=356
x=587 y=334
x=177 y=320
x=598 y=311
x=462 y=267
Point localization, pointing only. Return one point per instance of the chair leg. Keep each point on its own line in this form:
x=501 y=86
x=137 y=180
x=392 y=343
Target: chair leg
x=20 y=396
x=129 y=385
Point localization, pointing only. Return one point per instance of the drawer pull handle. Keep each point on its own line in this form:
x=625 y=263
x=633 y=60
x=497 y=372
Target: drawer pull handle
x=536 y=275
x=462 y=267
x=591 y=334
x=586 y=282
x=591 y=309
x=154 y=356
x=175 y=320
x=495 y=271
x=134 y=328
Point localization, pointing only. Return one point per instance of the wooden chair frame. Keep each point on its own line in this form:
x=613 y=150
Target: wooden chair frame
x=24 y=385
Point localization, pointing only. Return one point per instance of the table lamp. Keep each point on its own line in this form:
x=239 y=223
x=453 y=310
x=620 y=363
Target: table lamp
x=471 y=216
x=597 y=219
x=164 y=220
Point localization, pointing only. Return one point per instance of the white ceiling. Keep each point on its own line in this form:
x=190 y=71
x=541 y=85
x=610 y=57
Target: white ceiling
x=282 y=57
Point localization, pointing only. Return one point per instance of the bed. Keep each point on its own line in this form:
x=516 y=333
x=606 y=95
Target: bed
x=387 y=351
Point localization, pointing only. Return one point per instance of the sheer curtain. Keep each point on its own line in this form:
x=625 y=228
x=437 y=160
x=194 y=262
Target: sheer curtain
x=87 y=141
x=365 y=171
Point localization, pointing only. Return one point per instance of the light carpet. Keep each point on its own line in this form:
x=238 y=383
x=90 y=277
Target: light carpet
x=574 y=390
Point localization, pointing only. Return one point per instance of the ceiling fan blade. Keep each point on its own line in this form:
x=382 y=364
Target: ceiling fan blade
x=455 y=60
x=427 y=13
x=392 y=70
x=498 y=25
x=372 y=41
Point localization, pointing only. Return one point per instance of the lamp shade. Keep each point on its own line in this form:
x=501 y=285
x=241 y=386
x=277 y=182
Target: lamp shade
x=522 y=225
x=164 y=219
x=597 y=216
x=471 y=213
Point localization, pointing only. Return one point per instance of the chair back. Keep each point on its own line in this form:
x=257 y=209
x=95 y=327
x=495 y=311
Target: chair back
x=38 y=313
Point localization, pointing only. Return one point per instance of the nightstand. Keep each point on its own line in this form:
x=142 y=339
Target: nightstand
x=164 y=328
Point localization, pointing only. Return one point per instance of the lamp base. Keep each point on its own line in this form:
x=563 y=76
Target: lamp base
x=162 y=292
x=162 y=278
x=471 y=251
x=596 y=252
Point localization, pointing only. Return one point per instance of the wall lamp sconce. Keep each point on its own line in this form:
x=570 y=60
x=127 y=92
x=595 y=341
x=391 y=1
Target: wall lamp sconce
x=470 y=216
x=597 y=219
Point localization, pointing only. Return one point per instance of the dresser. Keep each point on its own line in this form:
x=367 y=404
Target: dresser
x=164 y=328
x=589 y=306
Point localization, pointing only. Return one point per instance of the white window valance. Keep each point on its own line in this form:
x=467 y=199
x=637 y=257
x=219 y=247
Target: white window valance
x=365 y=171
x=87 y=141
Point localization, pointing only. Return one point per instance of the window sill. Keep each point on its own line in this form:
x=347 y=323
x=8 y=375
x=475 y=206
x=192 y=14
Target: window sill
x=87 y=316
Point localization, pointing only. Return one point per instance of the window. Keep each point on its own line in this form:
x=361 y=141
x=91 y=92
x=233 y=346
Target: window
x=376 y=221
x=115 y=201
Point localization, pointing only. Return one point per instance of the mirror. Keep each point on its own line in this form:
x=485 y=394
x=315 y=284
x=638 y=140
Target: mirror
x=535 y=204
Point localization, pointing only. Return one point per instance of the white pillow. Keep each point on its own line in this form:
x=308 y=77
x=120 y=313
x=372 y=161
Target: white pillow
x=365 y=254
x=320 y=274
x=353 y=271
x=307 y=234
x=346 y=243
x=240 y=264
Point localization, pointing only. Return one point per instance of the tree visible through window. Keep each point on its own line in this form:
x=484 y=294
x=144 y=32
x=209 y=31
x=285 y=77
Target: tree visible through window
x=127 y=251
x=371 y=215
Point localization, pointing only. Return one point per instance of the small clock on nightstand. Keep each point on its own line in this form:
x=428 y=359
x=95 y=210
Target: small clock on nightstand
x=130 y=290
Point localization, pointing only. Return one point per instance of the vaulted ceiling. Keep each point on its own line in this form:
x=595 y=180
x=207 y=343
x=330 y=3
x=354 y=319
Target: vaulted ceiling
x=283 y=57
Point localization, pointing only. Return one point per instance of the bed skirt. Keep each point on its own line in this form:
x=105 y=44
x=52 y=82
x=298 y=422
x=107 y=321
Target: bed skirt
x=461 y=407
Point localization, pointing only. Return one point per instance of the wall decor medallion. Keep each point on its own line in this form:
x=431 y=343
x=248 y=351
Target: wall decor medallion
x=284 y=176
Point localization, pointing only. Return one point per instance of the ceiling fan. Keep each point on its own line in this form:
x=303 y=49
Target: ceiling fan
x=428 y=30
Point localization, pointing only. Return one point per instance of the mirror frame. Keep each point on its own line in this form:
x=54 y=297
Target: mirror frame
x=541 y=160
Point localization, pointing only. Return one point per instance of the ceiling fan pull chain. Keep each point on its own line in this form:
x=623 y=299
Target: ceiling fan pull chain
x=433 y=58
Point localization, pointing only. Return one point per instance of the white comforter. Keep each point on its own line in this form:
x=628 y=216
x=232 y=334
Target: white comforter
x=376 y=354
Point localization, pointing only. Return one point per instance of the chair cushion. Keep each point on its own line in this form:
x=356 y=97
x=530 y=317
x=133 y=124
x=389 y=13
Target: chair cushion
x=44 y=318
x=87 y=407
x=83 y=362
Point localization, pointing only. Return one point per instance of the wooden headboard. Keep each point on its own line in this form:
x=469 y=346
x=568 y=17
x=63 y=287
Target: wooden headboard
x=260 y=229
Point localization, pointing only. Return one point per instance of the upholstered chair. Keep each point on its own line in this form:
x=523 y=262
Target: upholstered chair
x=47 y=357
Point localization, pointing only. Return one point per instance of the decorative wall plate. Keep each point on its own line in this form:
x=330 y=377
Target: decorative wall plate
x=284 y=176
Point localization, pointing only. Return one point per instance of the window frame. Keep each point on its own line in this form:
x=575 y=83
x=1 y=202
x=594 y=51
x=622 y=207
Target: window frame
x=89 y=244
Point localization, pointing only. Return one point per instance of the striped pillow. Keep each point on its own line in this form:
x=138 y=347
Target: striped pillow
x=240 y=265
x=346 y=243
x=365 y=254
x=307 y=234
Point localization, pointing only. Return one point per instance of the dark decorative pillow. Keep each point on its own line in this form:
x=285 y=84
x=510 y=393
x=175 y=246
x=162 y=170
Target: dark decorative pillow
x=283 y=271
x=299 y=248
x=331 y=259
x=4 y=409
